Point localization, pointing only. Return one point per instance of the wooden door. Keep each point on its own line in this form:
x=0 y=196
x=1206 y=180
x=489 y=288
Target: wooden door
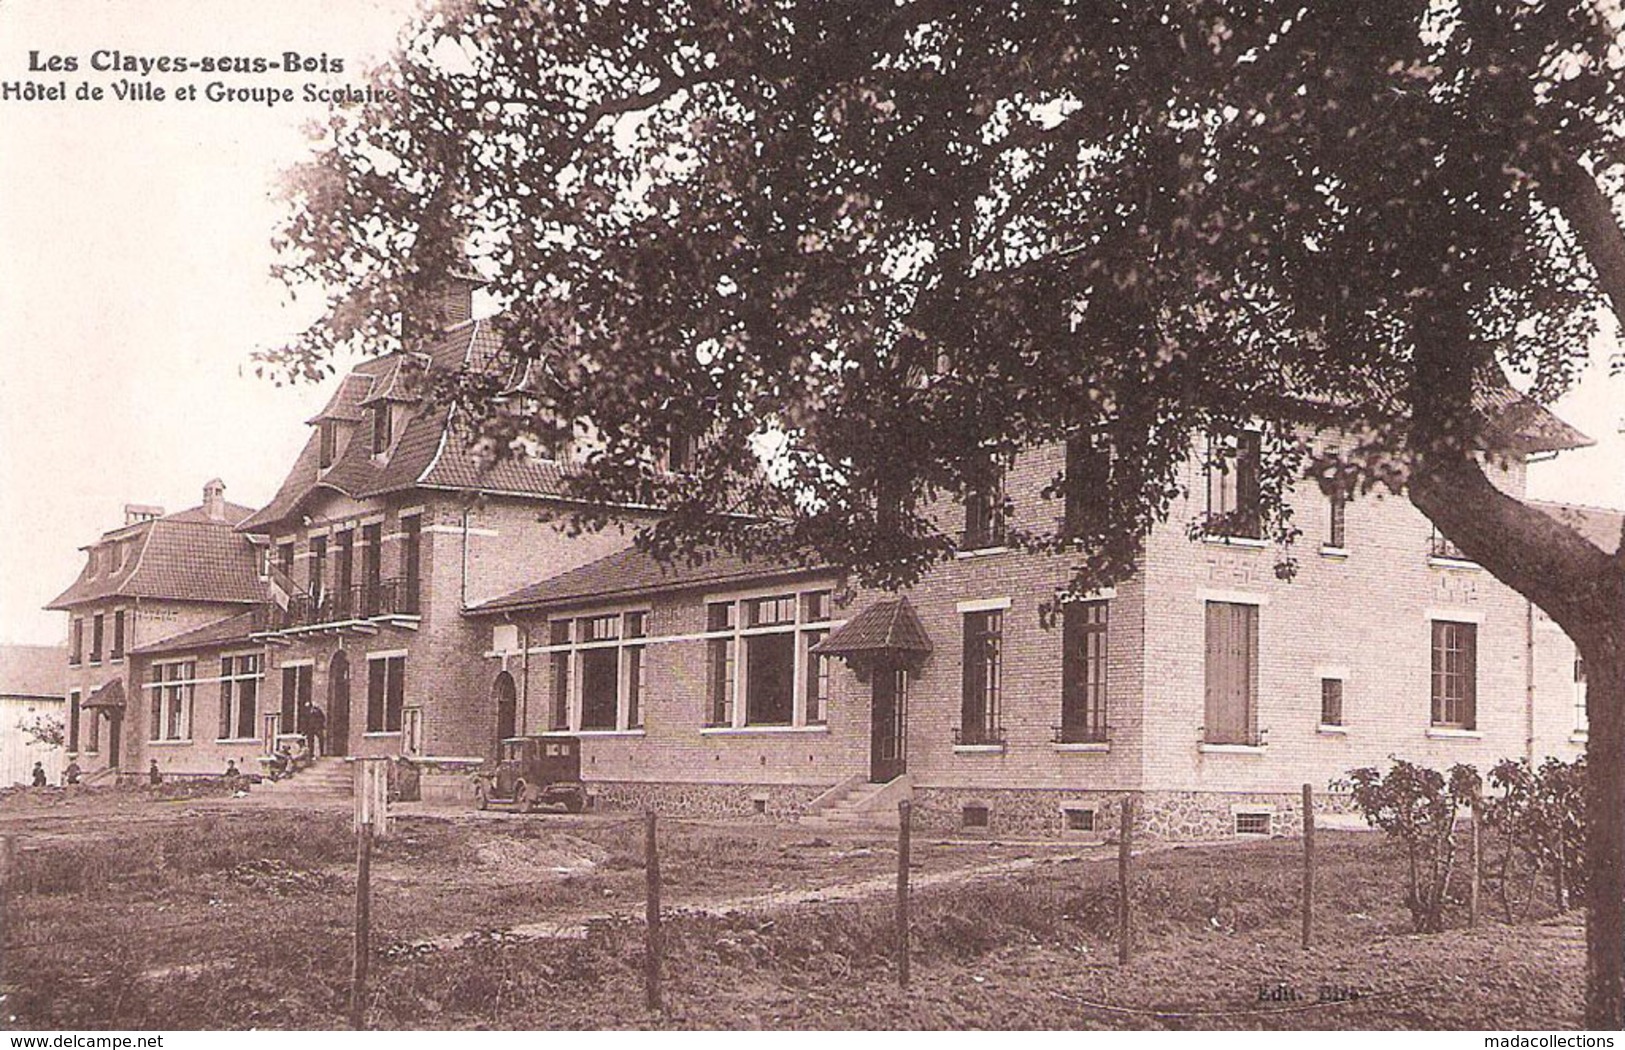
x=888 y=727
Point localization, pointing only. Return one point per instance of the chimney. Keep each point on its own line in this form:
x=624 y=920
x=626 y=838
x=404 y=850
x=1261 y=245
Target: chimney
x=139 y=512
x=214 y=500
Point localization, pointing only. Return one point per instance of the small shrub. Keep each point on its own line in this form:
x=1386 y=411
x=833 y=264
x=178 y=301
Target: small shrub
x=1540 y=815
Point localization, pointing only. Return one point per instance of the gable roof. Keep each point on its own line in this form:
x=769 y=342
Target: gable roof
x=888 y=626
x=33 y=670
x=228 y=630
x=635 y=573
x=186 y=556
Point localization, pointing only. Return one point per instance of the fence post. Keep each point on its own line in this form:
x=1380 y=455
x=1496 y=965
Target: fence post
x=1308 y=864
x=363 y=925
x=8 y=869
x=1125 y=847
x=1478 y=861
x=905 y=813
x=652 y=946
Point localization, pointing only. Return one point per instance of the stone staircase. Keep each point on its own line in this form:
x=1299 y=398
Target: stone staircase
x=857 y=804
x=324 y=778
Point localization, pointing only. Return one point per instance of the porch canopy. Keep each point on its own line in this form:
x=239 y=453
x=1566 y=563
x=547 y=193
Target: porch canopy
x=884 y=627
x=109 y=695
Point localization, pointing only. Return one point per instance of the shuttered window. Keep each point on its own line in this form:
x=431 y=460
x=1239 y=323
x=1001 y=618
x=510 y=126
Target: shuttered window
x=1232 y=673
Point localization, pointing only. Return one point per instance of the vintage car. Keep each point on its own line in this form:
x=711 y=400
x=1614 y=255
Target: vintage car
x=533 y=771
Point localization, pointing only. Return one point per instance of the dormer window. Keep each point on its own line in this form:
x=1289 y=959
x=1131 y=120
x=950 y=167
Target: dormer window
x=382 y=429
x=94 y=560
x=329 y=443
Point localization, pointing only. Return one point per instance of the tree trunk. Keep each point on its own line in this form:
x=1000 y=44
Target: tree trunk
x=1605 y=840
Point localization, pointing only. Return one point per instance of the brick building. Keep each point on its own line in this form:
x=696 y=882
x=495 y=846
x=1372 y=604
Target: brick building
x=427 y=603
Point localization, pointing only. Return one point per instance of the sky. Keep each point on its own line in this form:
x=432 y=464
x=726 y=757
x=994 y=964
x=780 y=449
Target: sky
x=134 y=279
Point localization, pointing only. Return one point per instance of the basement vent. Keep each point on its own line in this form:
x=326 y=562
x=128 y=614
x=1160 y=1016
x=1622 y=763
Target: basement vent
x=1252 y=823
x=1079 y=819
x=974 y=815
x=760 y=804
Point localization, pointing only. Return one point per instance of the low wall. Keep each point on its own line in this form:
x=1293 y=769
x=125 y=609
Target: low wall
x=776 y=801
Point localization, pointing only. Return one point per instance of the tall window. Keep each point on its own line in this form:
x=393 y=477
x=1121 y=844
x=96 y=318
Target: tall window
x=604 y=654
x=984 y=509
x=344 y=591
x=632 y=654
x=1083 y=672
x=1455 y=674
x=96 y=635
x=1582 y=720
x=386 y=693
x=76 y=641
x=329 y=442
x=372 y=568
x=284 y=558
x=382 y=428
x=239 y=695
x=1337 y=528
x=73 y=719
x=1088 y=471
x=411 y=552
x=1232 y=674
x=1233 y=468
x=983 y=671
x=318 y=566
x=296 y=695
x=599 y=670
x=118 y=635
x=1331 y=701
x=559 y=635
x=173 y=686
x=758 y=651
x=94 y=732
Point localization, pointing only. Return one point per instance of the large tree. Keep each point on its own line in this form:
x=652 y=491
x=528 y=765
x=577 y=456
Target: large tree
x=884 y=243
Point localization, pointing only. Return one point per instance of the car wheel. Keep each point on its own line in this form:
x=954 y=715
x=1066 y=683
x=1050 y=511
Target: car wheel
x=521 y=800
x=575 y=803
x=482 y=800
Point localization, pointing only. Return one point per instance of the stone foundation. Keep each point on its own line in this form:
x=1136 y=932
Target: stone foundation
x=705 y=801
x=1164 y=815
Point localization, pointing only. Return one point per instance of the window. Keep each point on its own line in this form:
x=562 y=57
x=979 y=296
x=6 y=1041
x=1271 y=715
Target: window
x=1331 y=701
x=73 y=720
x=239 y=695
x=329 y=432
x=1455 y=674
x=344 y=591
x=974 y=815
x=984 y=509
x=76 y=642
x=118 y=635
x=284 y=558
x=172 y=686
x=559 y=714
x=1337 y=522
x=115 y=557
x=1079 y=819
x=1232 y=674
x=1233 y=485
x=386 y=693
x=599 y=670
x=1083 y=672
x=1440 y=547
x=93 y=562
x=318 y=565
x=296 y=693
x=411 y=551
x=372 y=568
x=636 y=627
x=93 y=735
x=759 y=651
x=96 y=636
x=983 y=659
x=382 y=428
x=1582 y=721
x=1088 y=470
x=1252 y=823
x=681 y=449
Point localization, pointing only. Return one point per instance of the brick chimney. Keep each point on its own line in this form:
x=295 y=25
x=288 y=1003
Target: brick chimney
x=138 y=512
x=214 y=500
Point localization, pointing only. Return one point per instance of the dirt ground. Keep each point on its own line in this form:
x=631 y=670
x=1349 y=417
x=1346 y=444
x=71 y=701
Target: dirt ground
x=127 y=911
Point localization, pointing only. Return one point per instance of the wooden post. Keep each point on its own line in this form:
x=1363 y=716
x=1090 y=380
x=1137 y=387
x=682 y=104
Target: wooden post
x=8 y=872
x=652 y=945
x=1308 y=864
x=1125 y=847
x=905 y=814
x=1478 y=864
x=363 y=925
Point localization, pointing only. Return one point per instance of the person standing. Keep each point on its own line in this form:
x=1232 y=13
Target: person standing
x=70 y=775
x=153 y=776
x=316 y=730
x=39 y=775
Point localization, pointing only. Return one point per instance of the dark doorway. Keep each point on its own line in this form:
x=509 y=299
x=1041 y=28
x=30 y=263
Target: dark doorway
x=507 y=700
x=115 y=722
x=888 y=724
x=338 y=706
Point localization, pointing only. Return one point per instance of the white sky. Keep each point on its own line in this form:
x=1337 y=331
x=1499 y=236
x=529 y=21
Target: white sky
x=134 y=283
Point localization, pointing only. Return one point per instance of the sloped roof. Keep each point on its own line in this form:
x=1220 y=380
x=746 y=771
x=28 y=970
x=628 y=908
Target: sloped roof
x=1516 y=423
x=632 y=572
x=888 y=626
x=344 y=405
x=226 y=631
x=109 y=694
x=1600 y=525
x=32 y=670
x=186 y=556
